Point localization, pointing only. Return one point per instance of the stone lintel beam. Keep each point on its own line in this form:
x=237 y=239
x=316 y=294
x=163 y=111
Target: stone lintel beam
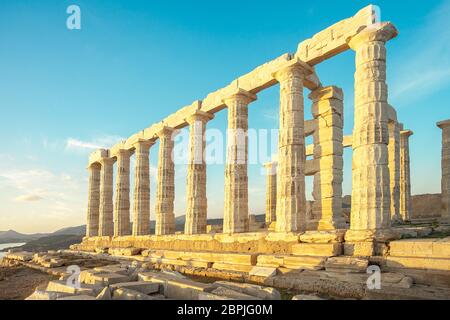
x=97 y=156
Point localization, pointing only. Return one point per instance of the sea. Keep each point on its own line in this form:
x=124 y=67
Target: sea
x=8 y=245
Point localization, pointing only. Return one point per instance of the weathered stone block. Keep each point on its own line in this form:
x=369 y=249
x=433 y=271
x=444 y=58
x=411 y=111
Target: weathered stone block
x=318 y=250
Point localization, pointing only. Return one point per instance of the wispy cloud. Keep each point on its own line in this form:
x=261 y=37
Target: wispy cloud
x=97 y=143
x=425 y=64
x=28 y=198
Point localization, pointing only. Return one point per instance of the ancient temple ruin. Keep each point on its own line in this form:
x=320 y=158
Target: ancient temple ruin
x=381 y=185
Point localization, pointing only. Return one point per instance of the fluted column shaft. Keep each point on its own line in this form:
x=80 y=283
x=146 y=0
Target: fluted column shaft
x=394 y=170
x=370 y=176
x=405 y=176
x=291 y=200
x=141 y=208
x=93 y=200
x=271 y=192
x=235 y=217
x=122 y=202
x=165 y=192
x=445 y=182
x=196 y=207
x=106 y=226
x=328 y=112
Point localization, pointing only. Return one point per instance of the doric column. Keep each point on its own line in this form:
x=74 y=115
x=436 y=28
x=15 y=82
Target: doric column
x=196 y=207
x=328 y=111
x=106 y=226
x=405 y=176
x=394 y=170
x=235 y=217
x=165 y=192
x=141 y=210
x=291 y=201
x=445 y=182
x=122 y=202
x=93 y=200
x=271 y=192
x=370 y=212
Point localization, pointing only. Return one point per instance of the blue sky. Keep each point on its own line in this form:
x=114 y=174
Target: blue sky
x=134 y=62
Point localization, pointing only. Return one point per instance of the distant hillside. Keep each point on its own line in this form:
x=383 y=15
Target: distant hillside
x=79 y=231
x=52 y=242
x=12 y=236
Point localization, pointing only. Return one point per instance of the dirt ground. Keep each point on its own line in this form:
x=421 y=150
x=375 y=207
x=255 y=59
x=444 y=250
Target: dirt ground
x=18 y=282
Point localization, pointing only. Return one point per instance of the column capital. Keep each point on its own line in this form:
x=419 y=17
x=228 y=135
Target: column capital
x=143 y=143
x=240 y=95
x=443 y=124
x=271 y=167
x=326 y=93
x=106 y=161
x=199 y=116
x=382 y=32
x=406 y=133
x=165 y=131
x=293 y=66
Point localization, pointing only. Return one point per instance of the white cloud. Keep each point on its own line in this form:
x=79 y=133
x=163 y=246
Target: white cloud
x=97 y=143
x=28 y=198
x=425 y=64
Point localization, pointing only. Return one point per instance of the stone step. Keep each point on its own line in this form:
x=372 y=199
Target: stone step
x=317 y=249
x=232 y=267
x=184 y=263
x=347 y=264
x=292 y=262
x=426 y=248
x=418 y=263
x=265 y=293
x=102 y=278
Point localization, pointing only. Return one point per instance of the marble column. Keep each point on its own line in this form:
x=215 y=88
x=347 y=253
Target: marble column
x=394 y=170
x=235 y=218
x=271 y=192
x=371 y=205
x=122 y=225
x=196 y=201
x=328 y=112
x=291 y=200
x=445 y=182
x=165 y=192
x=405 y=176
x=93 y=200
x=141 y=210
x=106 y=226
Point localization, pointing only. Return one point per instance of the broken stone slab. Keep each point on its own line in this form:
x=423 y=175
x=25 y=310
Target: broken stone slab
x=263 y=272
x=211 y=296
x=63 y=286
x=306 y=297
x=128 y=294
x=346 y=264
x=116 y=268
x=335 y=236
x=175 y=288
x=124 y=251
x=78 y=297
x=232 y=267
x=46 y=295
x=233 y=294
x=144 y=287
x=105 y=294
x=317 y=249
x=102 y=278
x=304 y=262
x=20 y=256
x=423 y=263
x=265 y=293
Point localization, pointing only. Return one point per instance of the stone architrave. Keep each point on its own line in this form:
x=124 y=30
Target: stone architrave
x=235 y=218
